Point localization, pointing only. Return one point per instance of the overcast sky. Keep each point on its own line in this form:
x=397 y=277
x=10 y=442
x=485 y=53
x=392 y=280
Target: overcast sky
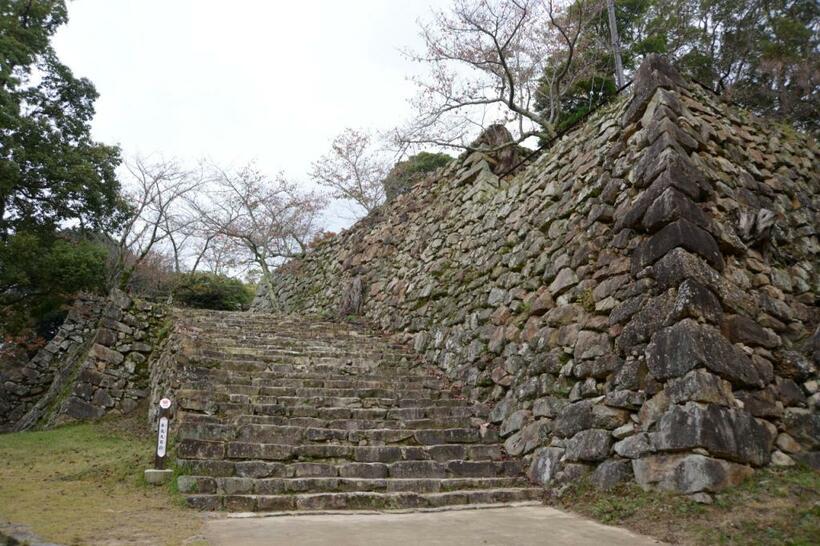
x=263 y=80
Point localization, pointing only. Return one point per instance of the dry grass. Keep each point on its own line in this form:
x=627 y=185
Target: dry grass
x=774 y=507
x=82 y=484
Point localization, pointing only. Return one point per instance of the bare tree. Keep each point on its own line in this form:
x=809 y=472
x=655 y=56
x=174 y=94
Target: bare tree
x=156 y=191
x=266 y=219
x=353 y=169
x=492 y=61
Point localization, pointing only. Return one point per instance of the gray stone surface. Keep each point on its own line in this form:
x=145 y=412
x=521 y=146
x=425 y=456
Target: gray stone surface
x=677 y=349
x=730 y=433
x=513 y=526
x=688 y=473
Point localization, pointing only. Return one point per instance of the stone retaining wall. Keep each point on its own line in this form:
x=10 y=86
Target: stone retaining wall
x=99 y=360
x=640 y=301
x=23 y=384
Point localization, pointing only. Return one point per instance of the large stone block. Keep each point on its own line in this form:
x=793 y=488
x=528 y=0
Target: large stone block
x=109 y=356
x=591 y=345
x=655 y=73
x=804 y=426
x=676 y=350
x=672 y=205
x=546 y=463
x=740 y=329
x=611 y=473
x=679 y=234
x=679 y=265
x=689 y=473
x=695 y=301
x=589 y=446
x=82 y=410
x=728 y=433
x=635 y=446
x=675 y=171
x=573 y=419
x=700 y=386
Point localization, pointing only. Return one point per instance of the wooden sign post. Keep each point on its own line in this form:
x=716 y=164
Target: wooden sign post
x=162 y=433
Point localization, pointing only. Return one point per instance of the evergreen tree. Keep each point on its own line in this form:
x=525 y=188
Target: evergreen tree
x=53 y=175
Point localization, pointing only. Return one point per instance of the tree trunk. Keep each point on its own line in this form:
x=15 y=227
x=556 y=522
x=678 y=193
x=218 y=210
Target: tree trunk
x=616 y=43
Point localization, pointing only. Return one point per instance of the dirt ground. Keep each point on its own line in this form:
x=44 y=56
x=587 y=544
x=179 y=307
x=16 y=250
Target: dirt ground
x=82 y=484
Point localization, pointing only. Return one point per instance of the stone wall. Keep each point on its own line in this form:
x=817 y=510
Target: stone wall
x=637 y=302
x=99 y=361
x=23 y=383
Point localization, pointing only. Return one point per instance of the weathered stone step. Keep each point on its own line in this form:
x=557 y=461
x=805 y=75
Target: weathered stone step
x=234 y=411
x=357 y=424
x=316 y=383
x=360 y=500
x=288 y=405
x=285 y=413
x=185 y=418
x=303 y=371
x=352 y=469
x=295 y=435
x=274 y=353
x=324 y=363
x=264 y=394
x=218 y=450
x=281 y=486
x=272 y=378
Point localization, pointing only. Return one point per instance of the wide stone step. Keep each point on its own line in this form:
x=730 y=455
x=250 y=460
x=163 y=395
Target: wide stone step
x=249 y=392
x=360 y=500
x=269 y=374
x=295 y=435
x=333 y=453
x=273 y=378
x=396 y=413
x=313 y=407
x=274 y=355
x=193 y=399
x=317 y=383
x=282 y=486
x=326 y=366
x=356 y=424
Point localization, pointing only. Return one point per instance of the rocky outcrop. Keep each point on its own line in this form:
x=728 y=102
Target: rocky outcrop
x=644 y=292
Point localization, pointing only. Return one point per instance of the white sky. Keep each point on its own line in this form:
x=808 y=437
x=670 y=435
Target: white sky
x=266 y=80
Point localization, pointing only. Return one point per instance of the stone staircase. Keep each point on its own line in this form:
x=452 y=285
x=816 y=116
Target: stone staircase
x=285 y=413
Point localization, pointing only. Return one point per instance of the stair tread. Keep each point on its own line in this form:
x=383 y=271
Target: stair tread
x=289 y=412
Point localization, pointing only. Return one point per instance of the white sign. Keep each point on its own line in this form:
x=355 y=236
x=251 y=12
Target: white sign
x=165 y=403
x=162 y=436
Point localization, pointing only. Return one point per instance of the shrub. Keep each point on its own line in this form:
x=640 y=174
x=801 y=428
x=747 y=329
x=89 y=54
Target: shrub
x=211 y=291
x=406 y=173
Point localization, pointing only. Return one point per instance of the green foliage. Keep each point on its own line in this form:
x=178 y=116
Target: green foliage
x=52 y=174
x=39 y=276
x=587 y=300
x=763 y=55
x=51 y=171
x=405 y=173
x=211 y=291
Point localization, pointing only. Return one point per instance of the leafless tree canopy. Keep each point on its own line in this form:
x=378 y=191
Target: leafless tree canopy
x=353 y=169
x=157 y=191
x=254 y=220
x=490 y=61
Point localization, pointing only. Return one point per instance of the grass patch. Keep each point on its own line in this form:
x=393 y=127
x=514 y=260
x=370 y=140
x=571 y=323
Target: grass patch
x=83 y=484
x=774 y=507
